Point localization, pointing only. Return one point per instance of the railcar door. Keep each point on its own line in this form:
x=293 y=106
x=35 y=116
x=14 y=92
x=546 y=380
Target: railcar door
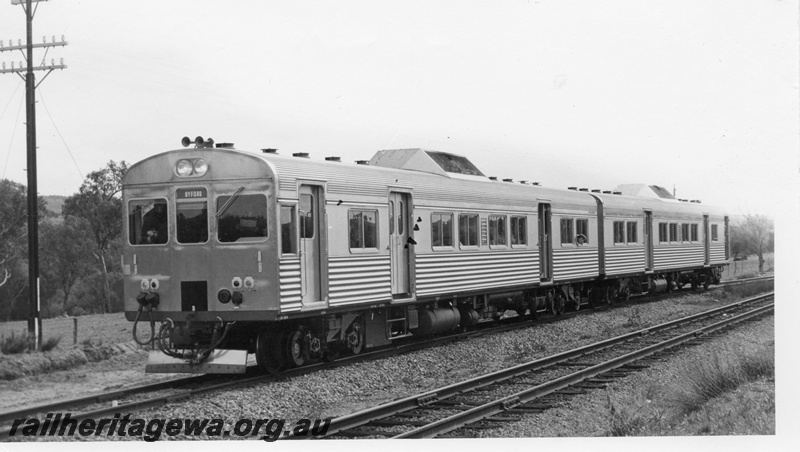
x=545 y=244
x=310 y=249
x=399 y=246
x=706 y=240
x=648 y=240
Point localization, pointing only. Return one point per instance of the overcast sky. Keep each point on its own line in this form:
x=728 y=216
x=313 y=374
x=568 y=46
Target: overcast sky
x=699 y=95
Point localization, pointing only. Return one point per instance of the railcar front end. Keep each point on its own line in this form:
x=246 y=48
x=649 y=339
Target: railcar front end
x=198 y=253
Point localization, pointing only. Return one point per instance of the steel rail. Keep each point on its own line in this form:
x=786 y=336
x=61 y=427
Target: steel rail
x=388 y=409
x=498 y=406
x=99 y=398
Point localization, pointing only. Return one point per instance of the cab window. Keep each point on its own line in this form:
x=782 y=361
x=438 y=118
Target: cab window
x=243 y=219
x=147 y=222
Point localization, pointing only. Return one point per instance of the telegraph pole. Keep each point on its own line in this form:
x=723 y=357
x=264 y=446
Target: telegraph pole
x=34 y=314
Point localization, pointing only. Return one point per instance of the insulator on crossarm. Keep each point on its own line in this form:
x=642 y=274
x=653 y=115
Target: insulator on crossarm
x=62 y=38
x=62 y=61
x=44 y=39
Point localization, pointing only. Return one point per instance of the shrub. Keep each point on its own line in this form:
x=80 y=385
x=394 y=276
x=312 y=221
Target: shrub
x=14 y=344
x=50 y=343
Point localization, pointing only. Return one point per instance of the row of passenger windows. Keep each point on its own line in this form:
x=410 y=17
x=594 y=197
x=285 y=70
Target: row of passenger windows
x=469 y=234
x=682 y=232
x=502 y=230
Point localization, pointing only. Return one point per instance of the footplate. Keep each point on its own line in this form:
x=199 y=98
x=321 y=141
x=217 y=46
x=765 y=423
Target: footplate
x=219 y=362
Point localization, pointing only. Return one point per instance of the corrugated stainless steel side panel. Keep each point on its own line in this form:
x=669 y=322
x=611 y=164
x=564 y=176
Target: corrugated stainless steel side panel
x=289 y=269
x=717 y=252
x=678 y=256
x=359 y=279
x=624 y=259
x=569 y=263
x=454 y=272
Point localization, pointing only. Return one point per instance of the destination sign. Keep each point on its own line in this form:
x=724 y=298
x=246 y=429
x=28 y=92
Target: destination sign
x=191 y=193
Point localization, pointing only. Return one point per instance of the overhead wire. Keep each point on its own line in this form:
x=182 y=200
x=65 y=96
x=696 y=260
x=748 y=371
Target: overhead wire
x=13 y=134
x=80 y=173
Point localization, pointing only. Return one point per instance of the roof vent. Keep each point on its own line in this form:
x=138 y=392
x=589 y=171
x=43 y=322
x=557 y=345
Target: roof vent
x=583 y=189
x=492 y=177
x=224 y=145
x=333 y=159
x=595 y=190
x=270 y=151
x=569 y=188
x=617 y=192
x=362 y=162
x=508 y=180
x=302 y=155
x=523 y=182
x=606 y=192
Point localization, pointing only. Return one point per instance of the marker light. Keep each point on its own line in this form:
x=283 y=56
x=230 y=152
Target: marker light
x=184 y=168
x=200 y=167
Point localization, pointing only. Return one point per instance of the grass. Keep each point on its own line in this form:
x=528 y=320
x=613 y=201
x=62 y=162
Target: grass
x=747 y=289
x=98 y=328
x=727 y=391
x=720 y=374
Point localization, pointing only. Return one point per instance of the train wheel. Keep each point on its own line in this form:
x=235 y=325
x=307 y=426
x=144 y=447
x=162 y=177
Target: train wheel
x=355 y=337
x=295 y=347
x=550 y=303
x=610 y=295
x=268 y=354
x=521 y=311
x=626 y=294
x=560 y=302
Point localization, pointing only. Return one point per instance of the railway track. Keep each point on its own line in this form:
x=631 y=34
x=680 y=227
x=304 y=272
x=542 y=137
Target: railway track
x=154 y=395
x=491 y=400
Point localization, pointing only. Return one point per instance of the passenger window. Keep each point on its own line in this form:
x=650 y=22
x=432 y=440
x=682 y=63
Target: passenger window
x=468 y=229
x=288 y=228
x=497 y=230
x=694 y=233
x=363 y=229
x=567 y=235
x=519 y=230
x=662 y=232
x=714 y=233
x=632 y=229
x=442 y=229
x=147 y=222
x=684 y=232
x=244 y=218
x=619 y=232
x=582 y=231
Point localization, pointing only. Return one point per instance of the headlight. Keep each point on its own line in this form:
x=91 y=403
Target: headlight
x=184 y=168
x=200 y=167
x=145 y=284
x=154 y=284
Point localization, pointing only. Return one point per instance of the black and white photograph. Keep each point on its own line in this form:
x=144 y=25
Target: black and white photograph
x=519 y=224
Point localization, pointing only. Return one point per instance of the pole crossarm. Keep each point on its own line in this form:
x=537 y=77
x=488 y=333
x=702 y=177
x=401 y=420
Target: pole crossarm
x=44 y=67
x=23 y=70
x=61 y=43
